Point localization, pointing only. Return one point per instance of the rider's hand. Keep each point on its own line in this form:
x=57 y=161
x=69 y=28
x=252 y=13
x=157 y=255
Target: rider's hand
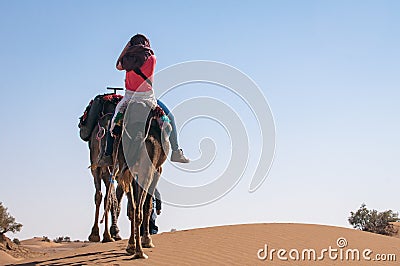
x=158 y=212
x=119 y=66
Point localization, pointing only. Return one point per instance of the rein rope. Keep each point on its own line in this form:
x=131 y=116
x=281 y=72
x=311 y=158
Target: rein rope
x=100 y=134
x=102 y=131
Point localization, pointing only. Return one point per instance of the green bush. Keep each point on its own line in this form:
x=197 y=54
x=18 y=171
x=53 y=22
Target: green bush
x=58 y=239
x=374 y=221
x=62 y=239
x=7 y=222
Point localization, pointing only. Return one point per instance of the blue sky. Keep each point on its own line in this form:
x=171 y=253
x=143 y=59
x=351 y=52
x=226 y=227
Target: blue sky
x=329 y=70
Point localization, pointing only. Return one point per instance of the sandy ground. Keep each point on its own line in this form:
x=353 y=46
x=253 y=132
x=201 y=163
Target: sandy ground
x=229 y=245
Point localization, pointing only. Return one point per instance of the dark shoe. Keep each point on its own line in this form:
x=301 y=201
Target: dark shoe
x=177 y=156
x=105 y=160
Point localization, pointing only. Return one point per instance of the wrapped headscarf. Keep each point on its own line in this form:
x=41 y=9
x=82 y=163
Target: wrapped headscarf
x=135 y=57
x=137 y=53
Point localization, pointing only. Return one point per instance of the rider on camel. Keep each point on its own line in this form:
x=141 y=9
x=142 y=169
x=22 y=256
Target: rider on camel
x=138 y=84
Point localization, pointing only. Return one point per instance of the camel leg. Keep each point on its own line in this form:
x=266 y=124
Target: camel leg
x=106 y=235
x=95 y=235
x=131 y=215
x=147 y=210
x=139 y=254
x=145 y=177
x=115 y=211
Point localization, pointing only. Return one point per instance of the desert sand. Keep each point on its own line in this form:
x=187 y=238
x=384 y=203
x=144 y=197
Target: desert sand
x=227 y=245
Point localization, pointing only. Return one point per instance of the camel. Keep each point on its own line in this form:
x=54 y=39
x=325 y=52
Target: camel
x=151 y=152
x=145 y=150
x=96 y=144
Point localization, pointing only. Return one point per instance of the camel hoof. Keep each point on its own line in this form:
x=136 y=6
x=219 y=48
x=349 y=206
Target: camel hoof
x=117 y=237
x=130 y=249
x=114 y=233
x=148 y=244
x=94 y=235
x=94 y=238
x=140 y=256
x=146 y=241
x=107 y=239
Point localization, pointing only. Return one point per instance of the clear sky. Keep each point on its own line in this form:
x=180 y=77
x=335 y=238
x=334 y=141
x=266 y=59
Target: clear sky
x=329 y=69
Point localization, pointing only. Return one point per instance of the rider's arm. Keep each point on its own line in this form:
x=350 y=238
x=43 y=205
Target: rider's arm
x=119 y=65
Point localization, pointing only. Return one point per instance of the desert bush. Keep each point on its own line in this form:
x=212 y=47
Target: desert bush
x=62 y=239
x=374 y=221
x=45 y=239
x=7 y=222
x=16 y=241
x=58 y=239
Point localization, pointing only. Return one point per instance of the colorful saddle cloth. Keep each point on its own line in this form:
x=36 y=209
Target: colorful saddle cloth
x=103 y=104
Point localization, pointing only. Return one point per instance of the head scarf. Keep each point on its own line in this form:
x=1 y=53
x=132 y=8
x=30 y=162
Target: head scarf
x=135 y=57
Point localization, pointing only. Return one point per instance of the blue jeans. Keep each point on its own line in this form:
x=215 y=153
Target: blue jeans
x=173 y=138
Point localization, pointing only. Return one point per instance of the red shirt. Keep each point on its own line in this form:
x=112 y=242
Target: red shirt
x=134 y=82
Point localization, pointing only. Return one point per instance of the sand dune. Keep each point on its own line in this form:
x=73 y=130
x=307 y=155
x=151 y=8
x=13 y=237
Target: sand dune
x=6 y=258
x=239 y=245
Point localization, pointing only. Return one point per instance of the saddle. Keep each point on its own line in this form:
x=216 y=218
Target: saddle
x=94 y=110
x=139 y=122
x=106 y=103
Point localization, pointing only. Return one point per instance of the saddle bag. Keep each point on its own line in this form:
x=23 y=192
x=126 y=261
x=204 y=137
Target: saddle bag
x=89 y=118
